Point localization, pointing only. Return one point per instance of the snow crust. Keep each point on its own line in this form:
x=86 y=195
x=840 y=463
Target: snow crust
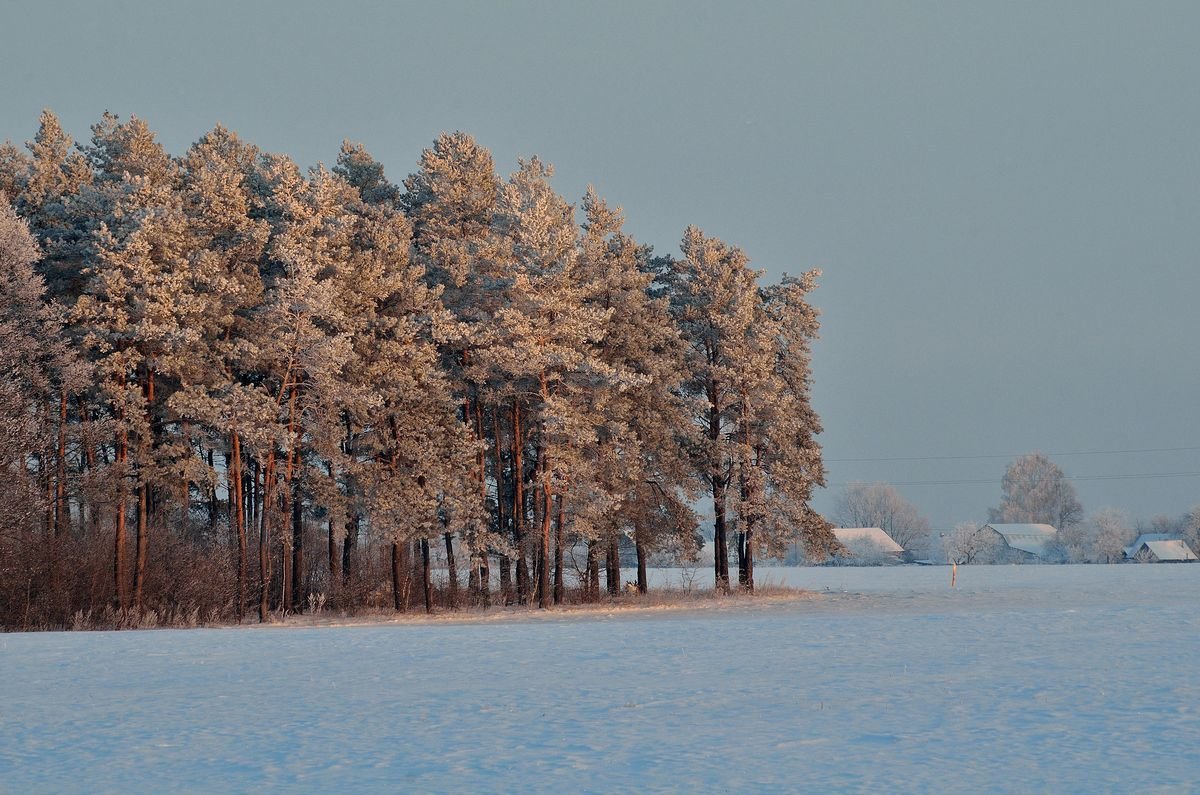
x=1021 y=679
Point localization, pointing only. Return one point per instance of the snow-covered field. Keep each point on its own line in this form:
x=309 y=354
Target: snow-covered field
x=1022 y=679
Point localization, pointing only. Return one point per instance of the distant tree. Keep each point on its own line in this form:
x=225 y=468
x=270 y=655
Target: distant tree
x=1191 y=529
x=970 y=543
x=1110 y=532
x=880 y=505
x=1036 y=491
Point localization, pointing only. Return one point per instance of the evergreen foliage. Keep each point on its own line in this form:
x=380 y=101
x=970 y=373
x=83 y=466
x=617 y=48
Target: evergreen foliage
x=237 y=387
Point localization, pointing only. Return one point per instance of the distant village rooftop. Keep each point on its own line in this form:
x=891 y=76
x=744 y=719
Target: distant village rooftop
x=875 y=537
x=1031 y=539
x=1161 y=548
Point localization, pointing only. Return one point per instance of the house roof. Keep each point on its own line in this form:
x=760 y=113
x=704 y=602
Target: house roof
x=1031 y=538
x=1168 y=549
x=1132 y=549
x=851 y=536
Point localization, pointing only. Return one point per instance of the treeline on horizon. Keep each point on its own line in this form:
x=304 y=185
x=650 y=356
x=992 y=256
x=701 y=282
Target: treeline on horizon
x=231 y=385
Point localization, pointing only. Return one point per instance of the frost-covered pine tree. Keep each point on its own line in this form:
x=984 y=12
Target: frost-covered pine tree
x=224 y=287
x=547 y=339
x=37 y=367
x=451 y=203
x=778 y=434
x=714 y=298
x=415 y=456
x=128 y=313
x=49 y=198
x=643 y=478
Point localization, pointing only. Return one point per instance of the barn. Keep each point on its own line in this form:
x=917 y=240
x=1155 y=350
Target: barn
x=1159 y=548
x=1025 y=543
x=869 y=543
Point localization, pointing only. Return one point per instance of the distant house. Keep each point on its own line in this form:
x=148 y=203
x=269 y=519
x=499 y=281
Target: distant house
x=1160 y=548
x=869 y=543
x=1024 y=543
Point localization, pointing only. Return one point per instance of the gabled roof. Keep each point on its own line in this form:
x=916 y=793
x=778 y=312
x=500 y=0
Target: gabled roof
x=1167 y=549
x=852 y=536
x=1133 y=548
x=1031 y=538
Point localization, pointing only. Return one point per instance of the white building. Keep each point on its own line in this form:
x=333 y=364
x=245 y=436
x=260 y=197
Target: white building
x=1159 y=548
x=1025 y=542
x=868 y=542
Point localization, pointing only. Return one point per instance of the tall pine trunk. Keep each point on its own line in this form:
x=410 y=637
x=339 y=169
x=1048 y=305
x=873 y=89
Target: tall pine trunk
x=237 y=499
x=266 y=512
x=451 y=571
x=120 y=561
x=518 y=512
x=613 y=569
x=60 y=487
x=483 y=586
x=643 y=584
x=349 y=542
x=559 y=534
x=399 y=577
x=426 y=579
x=591 y=587
x=142 y=544
x=544 y=595
x=298 y=596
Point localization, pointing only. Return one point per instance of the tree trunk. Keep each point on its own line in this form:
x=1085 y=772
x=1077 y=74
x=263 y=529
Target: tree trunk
x=592 y=586
x=60 y=485
x=398 y=600
x=614 y=566
x=518 y=512
x=139 y=569
x=505 y=579
x=720 y=538
x=643 y=584
x=483 y=586
x=348 y=544
x=287 y=540
x=212 y=495
x=237 y=498
x=334 y=557
x=740 y=540
x=120 y=562
x=451 y=571
x=142 y=541
x=717 y=479
x=264 y=538
x=747 y=580
x=426 y=580
x=559 y=533
x=298 y=596
x=544 y=595
x=285 y=550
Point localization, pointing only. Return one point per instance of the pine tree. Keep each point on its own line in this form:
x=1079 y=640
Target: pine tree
x=452 y=202
x=225 y=286
x=129 y=311
x=641 y=463
x=38 y=368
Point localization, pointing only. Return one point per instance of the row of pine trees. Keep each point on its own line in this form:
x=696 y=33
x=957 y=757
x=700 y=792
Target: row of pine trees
x=230 y=385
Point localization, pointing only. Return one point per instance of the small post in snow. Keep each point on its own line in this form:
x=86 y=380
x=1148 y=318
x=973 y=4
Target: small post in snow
x=953 y=573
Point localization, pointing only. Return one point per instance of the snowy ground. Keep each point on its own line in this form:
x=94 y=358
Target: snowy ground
x=1023 y=679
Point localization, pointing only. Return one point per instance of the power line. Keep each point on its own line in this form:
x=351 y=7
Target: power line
x=1006 y=455
x=993 y=481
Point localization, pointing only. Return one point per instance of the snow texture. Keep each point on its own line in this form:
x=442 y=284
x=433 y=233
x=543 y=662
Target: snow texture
x=1022 y=679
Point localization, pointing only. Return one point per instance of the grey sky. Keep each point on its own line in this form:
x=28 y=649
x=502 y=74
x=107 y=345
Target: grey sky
x=1003 y=196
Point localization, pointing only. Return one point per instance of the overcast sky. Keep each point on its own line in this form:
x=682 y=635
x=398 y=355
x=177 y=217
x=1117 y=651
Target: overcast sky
x=1004 y=197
